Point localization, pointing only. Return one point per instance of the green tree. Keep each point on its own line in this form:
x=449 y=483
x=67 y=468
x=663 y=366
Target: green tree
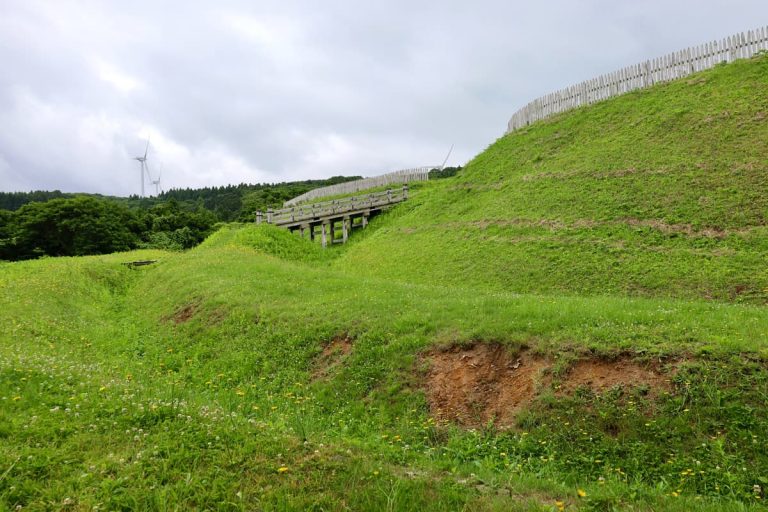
x=6 y=227
x=170 y=226
x=72 y=227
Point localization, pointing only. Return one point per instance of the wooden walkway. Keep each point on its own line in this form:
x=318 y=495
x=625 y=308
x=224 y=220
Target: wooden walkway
x=349 y=212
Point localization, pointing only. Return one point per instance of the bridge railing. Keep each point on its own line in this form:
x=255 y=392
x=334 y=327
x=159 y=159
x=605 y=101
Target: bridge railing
x=352 y=187
x=669 y=67
x=310 y=212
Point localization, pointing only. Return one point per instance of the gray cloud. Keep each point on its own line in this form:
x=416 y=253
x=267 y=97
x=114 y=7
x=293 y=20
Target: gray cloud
x=272 y=91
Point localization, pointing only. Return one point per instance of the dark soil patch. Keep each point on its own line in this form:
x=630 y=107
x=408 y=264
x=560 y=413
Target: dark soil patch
x=333 y=355
x=475 y=385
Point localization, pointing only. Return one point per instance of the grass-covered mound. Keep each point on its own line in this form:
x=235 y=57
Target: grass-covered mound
x=661 y=192
x=266 y=239
x=228 y=379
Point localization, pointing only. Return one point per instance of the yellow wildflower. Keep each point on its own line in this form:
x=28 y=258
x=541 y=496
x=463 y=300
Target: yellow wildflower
x=582 y=493
x=282 y=469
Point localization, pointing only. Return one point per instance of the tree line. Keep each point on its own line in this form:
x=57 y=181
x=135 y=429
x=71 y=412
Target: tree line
x=43 y=223
x=53 y=223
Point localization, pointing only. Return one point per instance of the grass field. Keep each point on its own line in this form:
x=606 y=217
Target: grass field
x=260 y=372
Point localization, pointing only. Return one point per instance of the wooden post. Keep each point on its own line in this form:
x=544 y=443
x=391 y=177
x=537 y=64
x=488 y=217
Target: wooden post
x=389 y=195
x=344 y=229
x=332 y=230
x=405 y=191
x=258 y=217
x=311 y=232
x=324 y=235
x=365 y=218
x=269 y=216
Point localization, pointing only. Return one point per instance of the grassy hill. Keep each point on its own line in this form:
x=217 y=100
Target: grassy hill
x=574 y=322
x=661 y=192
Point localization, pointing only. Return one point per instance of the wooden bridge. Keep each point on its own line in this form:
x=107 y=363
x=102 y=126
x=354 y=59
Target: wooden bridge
x=349 y=212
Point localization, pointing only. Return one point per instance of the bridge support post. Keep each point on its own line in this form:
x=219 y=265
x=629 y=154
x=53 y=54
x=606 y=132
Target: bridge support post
x=344 y=229
x=332 y=230
x=405 y=191
x=303 y=229
x=258 y=217
x=364 y=219
x=269 y=216
x=324 y=235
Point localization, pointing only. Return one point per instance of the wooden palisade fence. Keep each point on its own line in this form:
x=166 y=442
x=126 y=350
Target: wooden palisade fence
x=669 y=67
x=352 y=187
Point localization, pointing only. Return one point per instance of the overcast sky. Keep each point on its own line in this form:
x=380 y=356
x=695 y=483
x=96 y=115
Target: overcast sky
x=265 y=91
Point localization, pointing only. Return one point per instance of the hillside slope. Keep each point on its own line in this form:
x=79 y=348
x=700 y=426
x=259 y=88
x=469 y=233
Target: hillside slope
x=661 y=192
x=225 y=378
x=404 y=371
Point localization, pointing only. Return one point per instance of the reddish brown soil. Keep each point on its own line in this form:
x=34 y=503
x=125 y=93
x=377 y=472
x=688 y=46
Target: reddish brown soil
x=600 y=375
x=183 y=314
x=482 y=383
x=332 y=355
x=473 y=385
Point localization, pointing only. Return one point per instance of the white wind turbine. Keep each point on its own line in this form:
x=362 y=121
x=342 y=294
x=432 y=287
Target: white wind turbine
x=144 y=167
x=156 y=182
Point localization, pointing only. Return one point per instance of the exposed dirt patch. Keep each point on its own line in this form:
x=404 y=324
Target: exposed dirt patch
x=685 y=229
x=556 y=225
x=474 y=385
x=333 y=355
x=183 y=314
x=481 y=383
x=601 y=375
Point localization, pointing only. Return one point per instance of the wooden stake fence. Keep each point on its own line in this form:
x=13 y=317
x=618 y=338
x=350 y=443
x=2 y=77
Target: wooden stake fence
x=351 y=187
x=663 y=69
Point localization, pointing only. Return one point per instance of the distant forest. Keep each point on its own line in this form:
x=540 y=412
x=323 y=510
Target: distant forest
x=54 y=223
x=227 y=203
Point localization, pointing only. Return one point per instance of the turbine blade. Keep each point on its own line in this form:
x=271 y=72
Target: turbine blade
x=446 y=158
x=147 y=148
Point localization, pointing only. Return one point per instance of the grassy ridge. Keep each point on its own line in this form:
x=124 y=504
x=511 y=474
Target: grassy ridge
x=656 y=193
x=194 y=383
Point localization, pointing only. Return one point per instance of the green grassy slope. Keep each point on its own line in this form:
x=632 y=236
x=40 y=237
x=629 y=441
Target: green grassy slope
x=259 y=372
x=661 y=192
x=190 y=383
